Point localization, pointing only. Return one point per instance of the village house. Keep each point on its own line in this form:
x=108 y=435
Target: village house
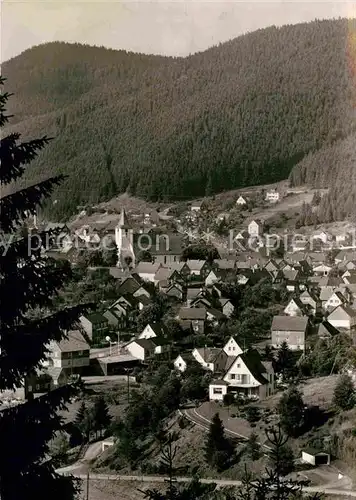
x=272 y=196
x=192 y=294
x=192 y=318
x=143 y=349
x=241 y=201
x=309 y=299
x=255 y=228
x=182 y=361
x=152 y=330
x=147 y=270
x=214 y=316
x=245 y=376
x=71 y=354
x=349 y=277
x=295 y=308
x=227 y=307
x=214 y=276
x=227 y=264
x=175 y=290
x=232 y=348
x=198 y=268
x=343 y=317
x=289 y=329
x=293 y=280
x=95 y=326
x=335 y=300
x=211 y=358
x=322 y=269
x=197 y=206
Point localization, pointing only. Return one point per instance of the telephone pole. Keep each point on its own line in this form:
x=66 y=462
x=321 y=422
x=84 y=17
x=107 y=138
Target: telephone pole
x=87 y=496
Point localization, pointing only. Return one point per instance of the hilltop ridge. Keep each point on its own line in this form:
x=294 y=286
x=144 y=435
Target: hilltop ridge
x=161 y=128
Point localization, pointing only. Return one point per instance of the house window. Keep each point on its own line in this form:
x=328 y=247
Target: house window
x=229 y=348
x=238 y=366
x=233 y=350
x=217 y=390
x=232 y=376
x=37 y=387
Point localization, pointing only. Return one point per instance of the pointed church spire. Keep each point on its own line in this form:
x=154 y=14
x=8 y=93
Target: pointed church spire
x=123 y=222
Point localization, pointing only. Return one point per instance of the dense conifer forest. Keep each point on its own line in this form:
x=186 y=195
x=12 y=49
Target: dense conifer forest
x=242 y=113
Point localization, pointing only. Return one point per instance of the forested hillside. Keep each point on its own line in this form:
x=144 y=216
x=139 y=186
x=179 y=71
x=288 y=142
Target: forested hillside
x=242 y=113
x=331 y=167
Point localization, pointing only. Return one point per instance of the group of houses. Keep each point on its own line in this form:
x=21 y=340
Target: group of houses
x=318 y=287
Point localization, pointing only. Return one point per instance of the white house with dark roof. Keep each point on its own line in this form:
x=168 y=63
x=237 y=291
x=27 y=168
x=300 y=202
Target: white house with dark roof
x=289 y=329
x=295 y=308
x=211 y=358
x=232 y=348
x=152 y=330
x=335 y=300
x=343 y=317
x=245 y=375
x=182 y=361
x=144 y=348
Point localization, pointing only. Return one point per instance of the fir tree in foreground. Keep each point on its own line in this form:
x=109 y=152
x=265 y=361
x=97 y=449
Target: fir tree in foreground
x=274 y=484
x=28 y=282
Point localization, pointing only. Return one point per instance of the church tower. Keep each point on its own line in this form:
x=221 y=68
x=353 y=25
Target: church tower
x=124 y=241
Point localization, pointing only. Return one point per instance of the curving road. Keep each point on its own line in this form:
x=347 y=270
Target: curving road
x=80 y=469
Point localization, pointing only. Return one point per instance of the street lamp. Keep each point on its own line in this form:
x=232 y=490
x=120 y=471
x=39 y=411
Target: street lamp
x=108 y=339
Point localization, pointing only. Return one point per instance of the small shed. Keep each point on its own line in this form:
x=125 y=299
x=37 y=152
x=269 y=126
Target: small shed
x=315 y=457
x=107 y=444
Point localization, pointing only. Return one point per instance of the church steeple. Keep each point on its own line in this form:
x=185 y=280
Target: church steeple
x=123 y=239
x=123 y=222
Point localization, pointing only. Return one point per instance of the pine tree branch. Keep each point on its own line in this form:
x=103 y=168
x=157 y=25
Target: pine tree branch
x=25 y=346
x=14 y=207
x=14 y=157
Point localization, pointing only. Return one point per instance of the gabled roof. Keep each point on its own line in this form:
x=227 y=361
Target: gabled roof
x=216 y=313
x=209 y=354
x=147 y=268
x=192 y=313
x=289 y=323
x=297 y=302
x=290 y=275
x=130 y=285
x=163 y=274
x=96 y=318
x=74 y=341
x=159 y=328
x=343 y=308
x=196 y=265
x=252 y=360
x=192 y=293
x=225 y=263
